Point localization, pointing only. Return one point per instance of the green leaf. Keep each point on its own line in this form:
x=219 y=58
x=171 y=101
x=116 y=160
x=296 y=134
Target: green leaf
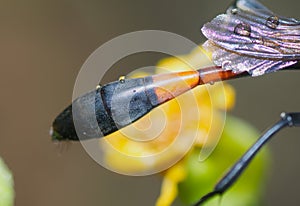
x=237 y=137
x=6 y=186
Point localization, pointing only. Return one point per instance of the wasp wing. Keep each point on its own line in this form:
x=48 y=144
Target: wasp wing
x=266 y=44
x=240 y=63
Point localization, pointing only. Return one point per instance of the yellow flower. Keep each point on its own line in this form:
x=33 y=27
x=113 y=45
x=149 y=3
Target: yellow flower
x=169 y=189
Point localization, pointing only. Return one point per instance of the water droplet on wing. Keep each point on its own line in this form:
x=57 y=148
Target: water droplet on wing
x=272 y=22
x=226 y=65
x=122 y=79
x=234 y=11
x=242 y=29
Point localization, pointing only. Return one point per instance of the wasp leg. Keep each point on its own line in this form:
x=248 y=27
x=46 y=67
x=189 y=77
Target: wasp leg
x=287 y=119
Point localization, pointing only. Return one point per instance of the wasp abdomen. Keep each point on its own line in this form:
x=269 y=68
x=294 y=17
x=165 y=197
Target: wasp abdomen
x=105 y=110
x=118 y=104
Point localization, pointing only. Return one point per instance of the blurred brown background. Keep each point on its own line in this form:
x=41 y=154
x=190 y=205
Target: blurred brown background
x=43 y=45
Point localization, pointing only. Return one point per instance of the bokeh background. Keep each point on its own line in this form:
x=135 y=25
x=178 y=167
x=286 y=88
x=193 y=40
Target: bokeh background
x=43 y=46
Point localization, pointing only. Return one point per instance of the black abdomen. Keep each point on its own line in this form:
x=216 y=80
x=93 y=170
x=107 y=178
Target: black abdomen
x=106 y=110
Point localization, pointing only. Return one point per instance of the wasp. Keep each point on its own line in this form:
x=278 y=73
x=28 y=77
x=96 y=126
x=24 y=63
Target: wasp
x=248 y=40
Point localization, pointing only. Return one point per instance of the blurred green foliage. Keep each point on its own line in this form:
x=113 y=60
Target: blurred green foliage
x=237 y=137
x=6 y=186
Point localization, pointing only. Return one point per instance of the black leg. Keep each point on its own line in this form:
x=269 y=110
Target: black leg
x=287 y=119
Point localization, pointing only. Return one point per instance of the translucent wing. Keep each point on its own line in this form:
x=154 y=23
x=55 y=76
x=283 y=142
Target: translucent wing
x=240 y=63
x=249 y=37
